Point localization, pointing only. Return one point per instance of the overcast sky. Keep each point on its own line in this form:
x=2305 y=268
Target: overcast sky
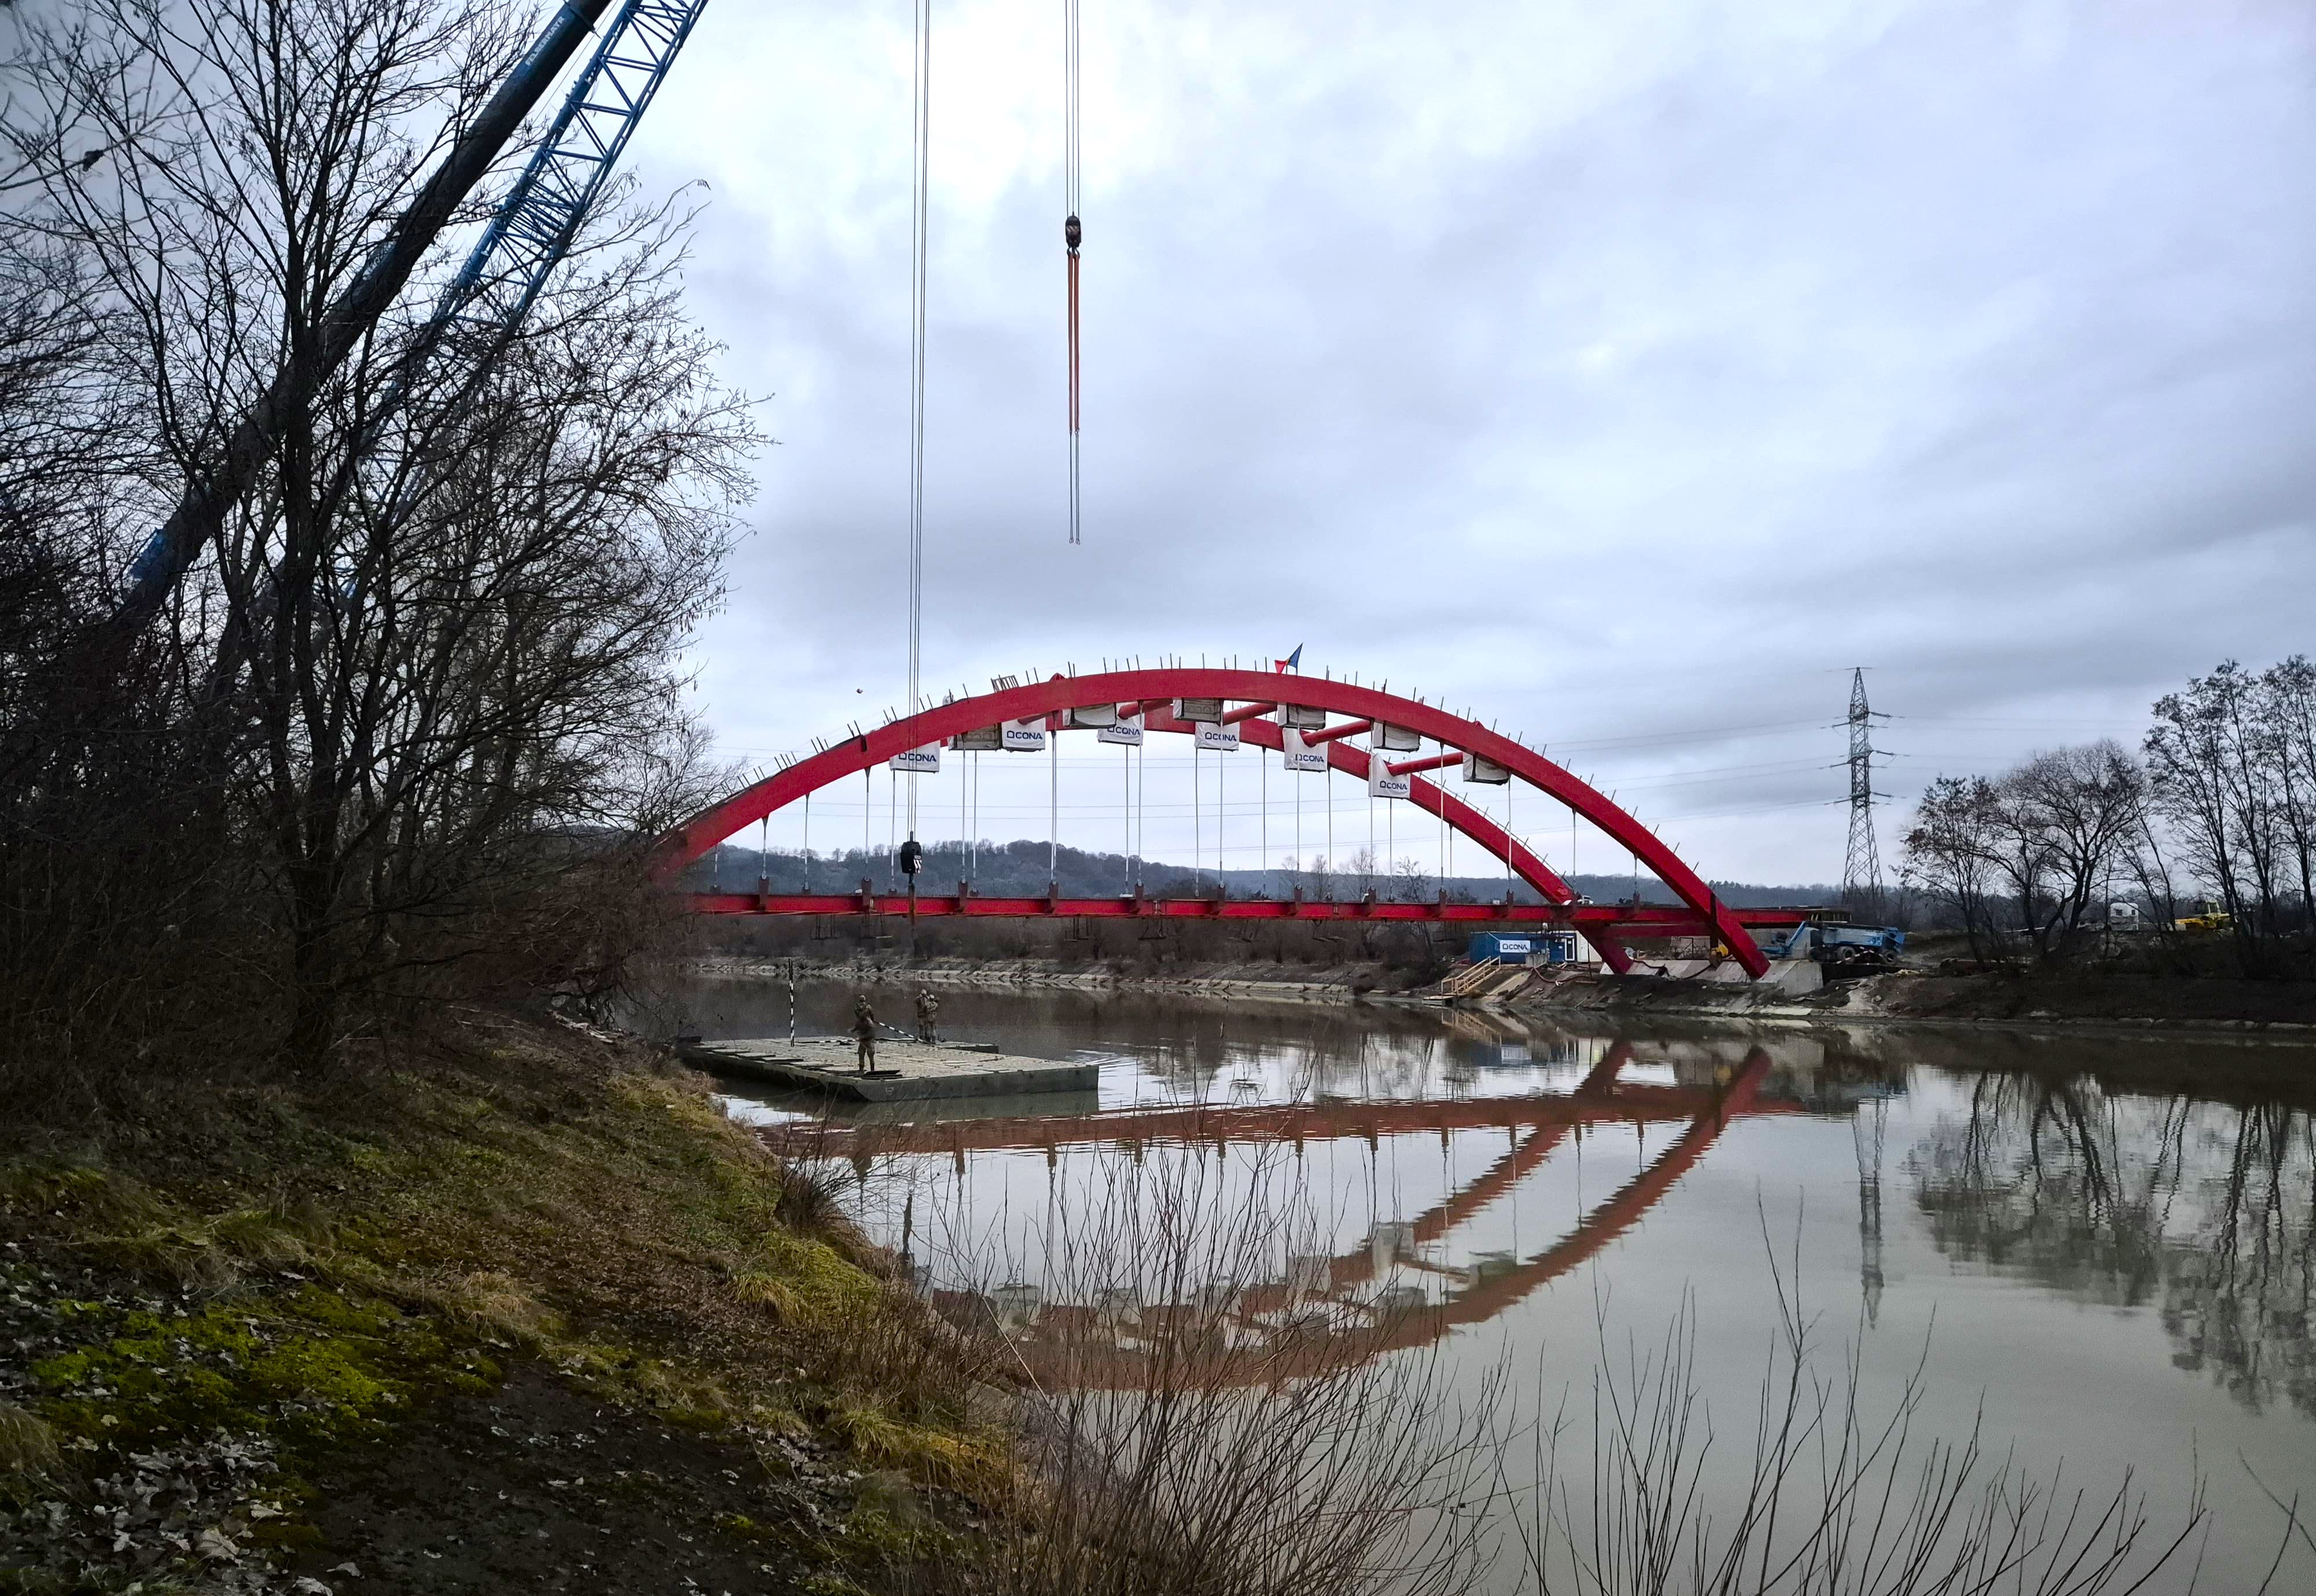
x=1626 y=372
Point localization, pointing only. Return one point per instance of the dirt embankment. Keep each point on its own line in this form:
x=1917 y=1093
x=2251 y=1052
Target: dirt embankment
x=2215 y=1004
x=513 y=1310
x=2283 y=1011
x=1290 y=983
x=2090 y=996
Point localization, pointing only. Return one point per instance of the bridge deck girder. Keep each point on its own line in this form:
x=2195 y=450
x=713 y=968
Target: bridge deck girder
x=1624 y=919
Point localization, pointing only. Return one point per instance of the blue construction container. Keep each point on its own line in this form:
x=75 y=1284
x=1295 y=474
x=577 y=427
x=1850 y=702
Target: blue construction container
x=1523 y=947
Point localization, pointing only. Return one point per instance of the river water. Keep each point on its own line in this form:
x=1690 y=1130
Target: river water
x=2100 y=1274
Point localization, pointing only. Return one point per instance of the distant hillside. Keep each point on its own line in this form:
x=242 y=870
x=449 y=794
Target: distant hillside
x=1018 y=869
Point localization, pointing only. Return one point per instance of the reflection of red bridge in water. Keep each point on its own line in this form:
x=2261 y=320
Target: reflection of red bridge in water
x=1281 y=1330
x=1049 y=707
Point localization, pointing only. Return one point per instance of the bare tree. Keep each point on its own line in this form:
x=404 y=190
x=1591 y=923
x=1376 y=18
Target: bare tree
x=2075 y=811
x=1949 y=855
x=2149 y=866
x=428 y=675
x=1321 y=876
x=2214 y=778
x=2288 y=711
x=59 y=448
x=1410 y=881
x=2045 y=838
x=1291 y=867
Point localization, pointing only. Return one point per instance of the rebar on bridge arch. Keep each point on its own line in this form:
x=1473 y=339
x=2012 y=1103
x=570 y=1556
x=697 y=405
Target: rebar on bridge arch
x=1140 y=687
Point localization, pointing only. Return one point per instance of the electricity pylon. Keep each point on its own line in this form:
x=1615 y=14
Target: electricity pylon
x=1861 y=868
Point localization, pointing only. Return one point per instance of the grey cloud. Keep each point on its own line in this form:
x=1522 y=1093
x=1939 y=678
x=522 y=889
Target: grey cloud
x=1967 y=342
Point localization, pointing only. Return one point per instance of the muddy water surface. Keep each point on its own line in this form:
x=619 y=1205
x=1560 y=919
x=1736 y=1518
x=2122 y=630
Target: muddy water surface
x=2099 y=1275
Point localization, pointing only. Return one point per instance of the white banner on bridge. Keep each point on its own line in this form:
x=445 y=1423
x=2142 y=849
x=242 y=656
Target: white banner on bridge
x=1383 y=784
x=1399 y=740
x=1127 y=729
x=1026 y=737
x=924 y=761
x=1296 y=754
x=1479 y=768
x=1221 y=739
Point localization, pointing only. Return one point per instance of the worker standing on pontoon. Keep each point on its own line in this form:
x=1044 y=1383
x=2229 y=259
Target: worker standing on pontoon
x=864 y=1033
x=928 y=1013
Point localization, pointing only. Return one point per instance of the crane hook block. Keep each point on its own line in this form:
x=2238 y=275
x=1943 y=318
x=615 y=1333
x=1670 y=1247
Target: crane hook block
x=1073 y=234
x=912 y=853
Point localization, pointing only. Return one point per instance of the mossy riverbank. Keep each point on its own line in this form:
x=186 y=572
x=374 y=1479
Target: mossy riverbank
x=512 y=1308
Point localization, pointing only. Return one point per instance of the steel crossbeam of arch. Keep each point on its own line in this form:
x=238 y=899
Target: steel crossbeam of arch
x=1057 y=694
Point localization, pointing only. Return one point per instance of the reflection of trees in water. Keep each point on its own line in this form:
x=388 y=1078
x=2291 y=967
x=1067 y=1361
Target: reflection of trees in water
x=2238 y=1303
x=2204 y=1210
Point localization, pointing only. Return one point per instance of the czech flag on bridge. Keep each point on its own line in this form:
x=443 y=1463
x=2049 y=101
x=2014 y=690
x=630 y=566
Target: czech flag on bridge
x=1293 y=661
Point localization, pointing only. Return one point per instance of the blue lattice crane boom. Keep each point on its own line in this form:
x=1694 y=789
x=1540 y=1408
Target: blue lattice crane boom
x=534 y=227
x=527 y=237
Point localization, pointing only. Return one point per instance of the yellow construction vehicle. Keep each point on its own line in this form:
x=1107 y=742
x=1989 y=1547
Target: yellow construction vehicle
x=2212 y=918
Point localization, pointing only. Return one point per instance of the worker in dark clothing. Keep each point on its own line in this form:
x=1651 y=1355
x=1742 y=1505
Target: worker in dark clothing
x=864 y=1033
x=928 y=1012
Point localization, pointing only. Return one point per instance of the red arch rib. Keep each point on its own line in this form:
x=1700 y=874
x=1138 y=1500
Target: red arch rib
x=712 y=825
x=1093 y=1366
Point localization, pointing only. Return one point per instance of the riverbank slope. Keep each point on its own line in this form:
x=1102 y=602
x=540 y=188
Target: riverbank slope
x=512 y=1307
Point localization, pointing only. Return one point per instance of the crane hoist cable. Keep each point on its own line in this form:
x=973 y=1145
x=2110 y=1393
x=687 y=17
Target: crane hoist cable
x=921 y=158
x=1073 y=229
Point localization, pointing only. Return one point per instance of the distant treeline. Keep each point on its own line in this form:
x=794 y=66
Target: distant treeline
x=1022 y=869
x=2204 y=838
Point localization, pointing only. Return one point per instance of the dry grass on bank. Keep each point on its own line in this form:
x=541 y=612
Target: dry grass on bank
x=517 y=1308
x=324 y=1277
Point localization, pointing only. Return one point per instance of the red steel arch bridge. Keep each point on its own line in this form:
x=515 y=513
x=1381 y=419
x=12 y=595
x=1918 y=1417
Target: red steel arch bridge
x=1314 y=716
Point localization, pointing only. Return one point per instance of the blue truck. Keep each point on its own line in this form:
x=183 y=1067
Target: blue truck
x=1844 y=951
